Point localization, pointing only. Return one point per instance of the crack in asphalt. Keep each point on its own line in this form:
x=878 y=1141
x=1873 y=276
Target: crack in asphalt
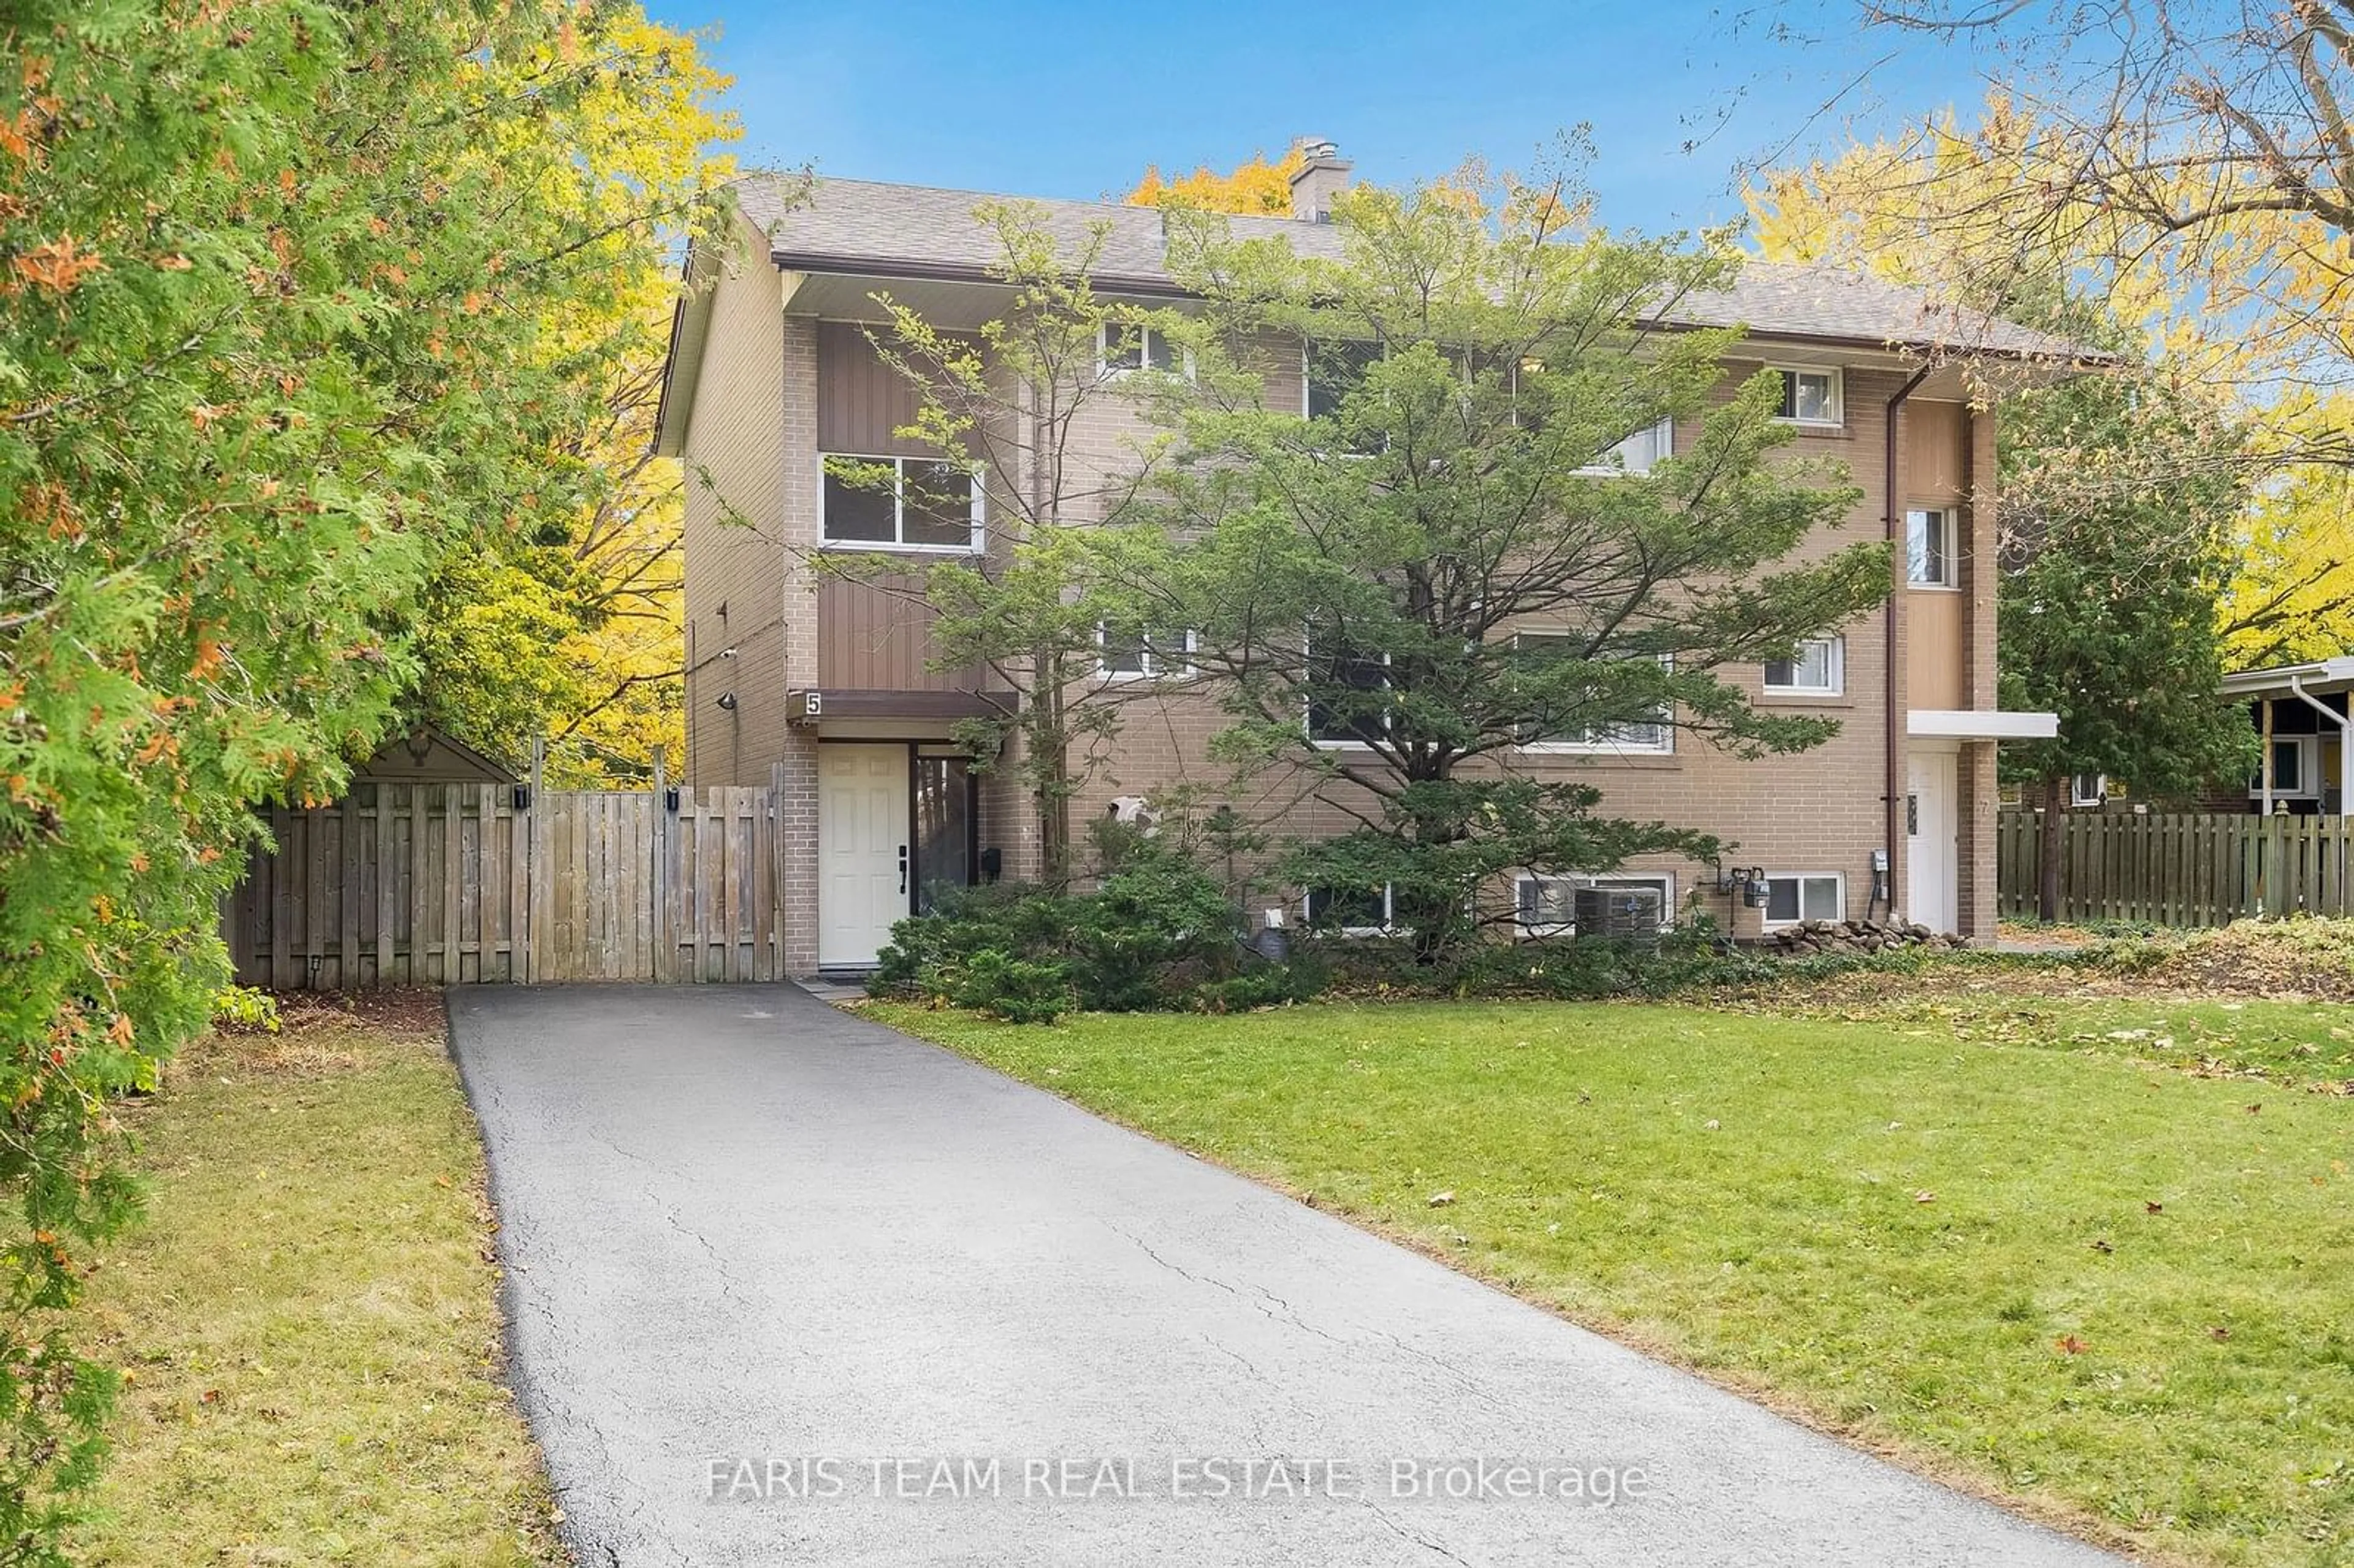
x=1257 y=1295
x=1415 y=1536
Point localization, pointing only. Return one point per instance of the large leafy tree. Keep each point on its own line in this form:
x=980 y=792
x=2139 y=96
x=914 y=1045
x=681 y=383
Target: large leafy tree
x=1447 y=561
x=2108 y=604
x=571 y=630
x=282 y=295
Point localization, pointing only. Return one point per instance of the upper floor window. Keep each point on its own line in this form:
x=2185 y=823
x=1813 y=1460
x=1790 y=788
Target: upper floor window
x=1124 y=346
x=1654 y=733
x=1929 y=546
x=1638 y=452
x=1811 y=397
x=1349 y=702
x=1145 y=656
x=1331 y=372
x=900 y=504
x=1816 y=668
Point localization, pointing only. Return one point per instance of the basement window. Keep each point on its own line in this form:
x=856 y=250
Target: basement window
x=1791 y=899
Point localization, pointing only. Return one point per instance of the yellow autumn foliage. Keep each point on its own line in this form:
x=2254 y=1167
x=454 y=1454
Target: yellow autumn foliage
x=1255 y=187
x=2250 y=316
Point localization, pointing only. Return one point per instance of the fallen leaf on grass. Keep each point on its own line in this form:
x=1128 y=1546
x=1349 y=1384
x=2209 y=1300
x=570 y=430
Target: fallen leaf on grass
x=1925 y=1196
x=2153 y=1208
x=2069 y=1344
x=2218 y=1332
x=1440 y=1200
x=2102 y=1245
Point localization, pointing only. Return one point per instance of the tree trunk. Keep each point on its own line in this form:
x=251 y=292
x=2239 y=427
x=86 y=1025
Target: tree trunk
x=1051 y=769
x=2047 y=857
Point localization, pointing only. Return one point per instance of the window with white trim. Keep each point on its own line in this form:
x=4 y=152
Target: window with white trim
x=1652 y=736
x=1811 y=395
x=1793 y=896
x=1816 y=668
x=1142 y=656
x=900 y=504
x=1341 y=717
x=1125 y=346
x=1638 y=453
x=1929 y=546
x=2294 y=766
x=1355 y=911
x=1330 y=371
x=2088 y=789
x=1547 y=906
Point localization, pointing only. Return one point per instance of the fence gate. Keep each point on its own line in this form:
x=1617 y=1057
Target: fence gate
x=438 y=884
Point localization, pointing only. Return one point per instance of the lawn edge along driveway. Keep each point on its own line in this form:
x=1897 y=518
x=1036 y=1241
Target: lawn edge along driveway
x=742 y=1225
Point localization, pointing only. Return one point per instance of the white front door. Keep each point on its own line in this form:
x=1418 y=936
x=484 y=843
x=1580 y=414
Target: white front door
x=862 y=859
x=1932 y=835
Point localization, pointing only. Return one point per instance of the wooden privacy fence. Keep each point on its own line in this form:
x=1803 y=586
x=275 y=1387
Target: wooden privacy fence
x=442 y=884
x=2177 y=868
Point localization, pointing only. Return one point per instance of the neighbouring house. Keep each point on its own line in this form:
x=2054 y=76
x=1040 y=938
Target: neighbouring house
x=771 y=372
x=2300 y=712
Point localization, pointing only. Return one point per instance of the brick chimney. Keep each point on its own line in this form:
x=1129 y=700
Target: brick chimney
x=1323 y=175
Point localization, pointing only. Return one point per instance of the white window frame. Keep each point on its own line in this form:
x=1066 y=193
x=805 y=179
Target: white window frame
x=1307 y=714
x=1107 y=371
x=1665 y=723
x=1834 y=668
x=2097 y=796
x=1388 y=928
x=1663 y=430
x=2308 y=771
x=1838 y=378
x=1665 y=881
x=1947 y=557
x=1153 y=667
x=1838 y=879
x=897 y=546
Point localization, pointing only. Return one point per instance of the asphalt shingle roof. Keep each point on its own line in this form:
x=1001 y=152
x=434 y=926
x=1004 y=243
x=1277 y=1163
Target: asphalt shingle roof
x=863 y=226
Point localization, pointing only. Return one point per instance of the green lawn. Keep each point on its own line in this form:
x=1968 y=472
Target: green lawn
x=2037 y=1259
x=309 y=1316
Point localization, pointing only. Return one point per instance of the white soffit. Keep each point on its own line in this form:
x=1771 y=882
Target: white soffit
x=1979 y=723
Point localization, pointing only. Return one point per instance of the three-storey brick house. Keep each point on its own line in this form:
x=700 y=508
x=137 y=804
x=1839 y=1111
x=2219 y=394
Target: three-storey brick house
x=832 y=680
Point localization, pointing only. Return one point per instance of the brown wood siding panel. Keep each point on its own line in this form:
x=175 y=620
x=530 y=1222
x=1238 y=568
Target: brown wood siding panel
x=1933 y=472
x=1933 y=659
x=861 y=401
x=872 y=637
x=1931 y=452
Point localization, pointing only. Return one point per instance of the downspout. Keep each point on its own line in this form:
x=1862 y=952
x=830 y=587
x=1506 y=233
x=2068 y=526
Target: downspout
x=2344 y=723
x=1898 y=577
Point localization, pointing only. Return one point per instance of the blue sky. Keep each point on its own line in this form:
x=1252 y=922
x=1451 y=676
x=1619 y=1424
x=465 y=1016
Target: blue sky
x=1054 y=100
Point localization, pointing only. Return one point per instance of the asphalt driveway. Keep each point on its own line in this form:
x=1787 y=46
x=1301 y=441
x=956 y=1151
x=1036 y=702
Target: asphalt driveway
x=791 y=1287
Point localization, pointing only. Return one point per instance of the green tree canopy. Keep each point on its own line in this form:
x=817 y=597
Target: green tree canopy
x=286 y=292
x=1452 y=556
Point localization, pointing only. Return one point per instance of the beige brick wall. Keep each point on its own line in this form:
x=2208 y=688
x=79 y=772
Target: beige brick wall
x=734 y=465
